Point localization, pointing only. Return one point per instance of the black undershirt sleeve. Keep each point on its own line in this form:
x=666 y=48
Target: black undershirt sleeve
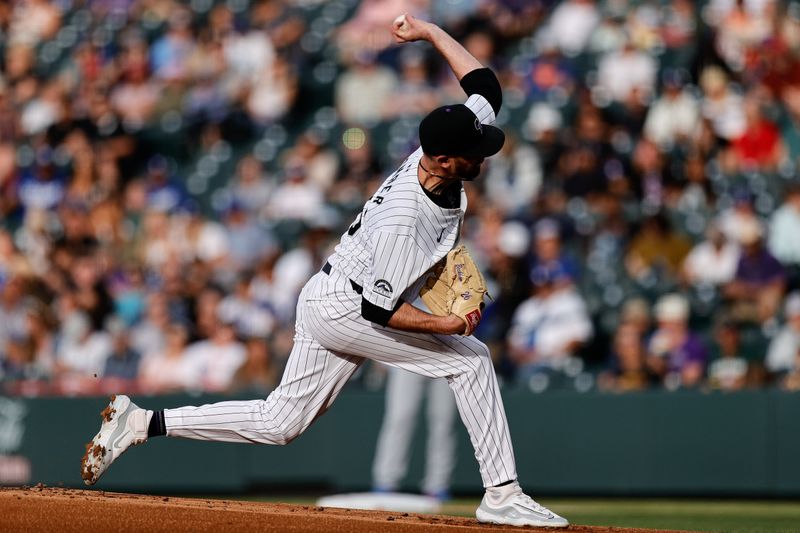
x=483 y=81
x=376 y=314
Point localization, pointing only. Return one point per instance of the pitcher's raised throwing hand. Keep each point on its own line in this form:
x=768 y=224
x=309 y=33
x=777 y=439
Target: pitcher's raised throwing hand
x=406 y=29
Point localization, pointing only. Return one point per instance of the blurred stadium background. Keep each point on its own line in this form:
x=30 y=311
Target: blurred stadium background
x=171 y=172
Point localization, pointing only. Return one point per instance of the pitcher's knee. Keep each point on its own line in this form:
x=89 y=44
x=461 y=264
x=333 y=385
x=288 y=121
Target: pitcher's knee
x=281 y=434
x=478 y=350
x=281 y=429
x=483 y=351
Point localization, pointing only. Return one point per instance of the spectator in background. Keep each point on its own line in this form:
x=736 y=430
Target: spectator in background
x=164 y=193
x=739 y=218
x=656 y=249
x=19 y=362
x=651 y=176
x=170 y=53
x=542 y=128
x=366 y=29
x=627 y=370
x=258 y=373
x=548 y=252
x=42 y=186
x=695 y=193
x=791 y=381
x=206 y=240
x=571 y=25
x=251 y=188
x=12 y=311
x=123 y=361
x=580 y=162
x=213 y=363
x=759 y=147
x=414 y=95
x=12 y=261
x=135 y=98
x=514 y=177
x=713 y=261
x=721 y=105
x=364 y=91
x=311 y=157
x=674 y=117
x=550 y=326
x=728 y=367
x=148 y=335
x=240 y=308
x=549 y=73
x=41 y=324
x=635 y=312
x=248 y=242
x=674 y=354
x=741 y=26
x=82 y=351
x=783 y=350
x=509 y=285
x=784 y=241
x=626 y=72
x=33 y=21
x=757 y=288
x=165 y=370
x=296 y=199
x=272 y=94
x=247 y=51
x=129 y=293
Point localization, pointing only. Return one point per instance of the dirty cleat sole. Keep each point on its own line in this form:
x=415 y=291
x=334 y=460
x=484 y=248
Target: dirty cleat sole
x=124 y=425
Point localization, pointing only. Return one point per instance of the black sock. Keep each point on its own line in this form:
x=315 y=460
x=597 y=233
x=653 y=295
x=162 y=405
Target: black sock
x=157 y=427
x=503 y=484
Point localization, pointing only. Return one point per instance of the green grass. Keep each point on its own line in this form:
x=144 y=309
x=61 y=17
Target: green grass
x=731 y=516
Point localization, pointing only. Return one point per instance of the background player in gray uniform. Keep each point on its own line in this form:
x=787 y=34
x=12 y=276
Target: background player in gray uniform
x=357 y=308
x=404 y=394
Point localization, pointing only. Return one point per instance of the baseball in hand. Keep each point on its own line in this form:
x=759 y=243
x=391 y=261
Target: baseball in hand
x=400 y=22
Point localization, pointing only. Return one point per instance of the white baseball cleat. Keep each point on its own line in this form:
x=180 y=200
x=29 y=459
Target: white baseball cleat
x=510 y=506
x=124 y=425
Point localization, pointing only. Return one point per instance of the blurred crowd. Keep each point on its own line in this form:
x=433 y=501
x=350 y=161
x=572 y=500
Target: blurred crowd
x=171 y=173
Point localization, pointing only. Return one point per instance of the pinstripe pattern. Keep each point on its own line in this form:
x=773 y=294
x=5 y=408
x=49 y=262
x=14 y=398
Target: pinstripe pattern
x=399 y=235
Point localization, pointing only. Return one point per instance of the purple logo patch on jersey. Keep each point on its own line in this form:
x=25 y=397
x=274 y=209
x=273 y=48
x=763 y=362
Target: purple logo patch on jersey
x=383 y=287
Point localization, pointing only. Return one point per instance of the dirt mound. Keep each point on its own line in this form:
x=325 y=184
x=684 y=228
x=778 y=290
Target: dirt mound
x=53 y=509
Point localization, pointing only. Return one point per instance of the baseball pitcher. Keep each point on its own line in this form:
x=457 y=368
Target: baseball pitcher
x=402 y=245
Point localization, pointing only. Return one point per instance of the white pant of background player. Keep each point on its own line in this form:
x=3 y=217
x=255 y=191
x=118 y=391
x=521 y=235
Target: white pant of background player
x=404 y=394
x=331 y=341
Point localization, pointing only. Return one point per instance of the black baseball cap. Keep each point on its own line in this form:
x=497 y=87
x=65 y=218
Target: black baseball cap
x=454 y=130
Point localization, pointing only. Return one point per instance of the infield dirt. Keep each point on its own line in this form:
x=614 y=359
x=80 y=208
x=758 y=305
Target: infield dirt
x=66 y=510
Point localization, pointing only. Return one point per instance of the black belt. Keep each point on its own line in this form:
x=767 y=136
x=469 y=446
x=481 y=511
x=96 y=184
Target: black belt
x=356 y=287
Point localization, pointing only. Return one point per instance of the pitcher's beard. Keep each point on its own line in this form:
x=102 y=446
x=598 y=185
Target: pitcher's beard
x=469 y=171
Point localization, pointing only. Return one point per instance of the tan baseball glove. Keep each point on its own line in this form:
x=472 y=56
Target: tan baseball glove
x=456 y=286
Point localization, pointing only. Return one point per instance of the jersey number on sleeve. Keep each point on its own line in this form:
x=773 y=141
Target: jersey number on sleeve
x=356 y=224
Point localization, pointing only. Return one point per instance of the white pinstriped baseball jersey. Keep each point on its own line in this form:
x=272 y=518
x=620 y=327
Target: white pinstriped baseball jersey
x=386 y=252
x=401 y=233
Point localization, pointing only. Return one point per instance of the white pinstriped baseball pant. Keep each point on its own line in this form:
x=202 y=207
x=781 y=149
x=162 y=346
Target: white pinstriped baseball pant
x=331 y=341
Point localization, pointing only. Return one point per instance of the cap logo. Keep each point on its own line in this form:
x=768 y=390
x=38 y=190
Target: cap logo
x=478 y=126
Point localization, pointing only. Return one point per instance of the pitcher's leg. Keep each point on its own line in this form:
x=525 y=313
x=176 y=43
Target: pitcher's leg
x=464 y=361
x=481 y=408
x=440 y=455
x=403 y=397
x=312 y=380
